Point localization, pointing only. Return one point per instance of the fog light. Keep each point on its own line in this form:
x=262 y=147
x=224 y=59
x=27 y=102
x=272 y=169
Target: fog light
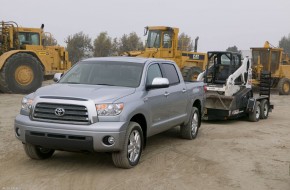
x=18 y=132
x=111 y=140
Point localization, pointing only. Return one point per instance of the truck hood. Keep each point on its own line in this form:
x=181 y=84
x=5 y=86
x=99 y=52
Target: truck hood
x=97 y=93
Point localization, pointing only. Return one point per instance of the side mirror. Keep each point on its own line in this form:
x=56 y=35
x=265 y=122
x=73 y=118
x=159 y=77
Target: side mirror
x=158 y=82
x=57 y=77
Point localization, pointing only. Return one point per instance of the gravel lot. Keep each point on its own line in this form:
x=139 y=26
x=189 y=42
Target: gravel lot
x=226 y=155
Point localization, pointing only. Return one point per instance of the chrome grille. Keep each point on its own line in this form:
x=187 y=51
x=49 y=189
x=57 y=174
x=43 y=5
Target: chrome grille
x=76 y=114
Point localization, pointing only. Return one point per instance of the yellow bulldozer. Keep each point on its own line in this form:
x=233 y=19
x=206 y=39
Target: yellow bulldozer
x=275 y=61
x=25 y=60
x=162 y=42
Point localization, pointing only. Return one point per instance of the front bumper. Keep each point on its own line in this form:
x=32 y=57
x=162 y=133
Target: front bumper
x=70 y=137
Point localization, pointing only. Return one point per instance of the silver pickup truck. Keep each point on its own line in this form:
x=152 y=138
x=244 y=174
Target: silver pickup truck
x=109 y=105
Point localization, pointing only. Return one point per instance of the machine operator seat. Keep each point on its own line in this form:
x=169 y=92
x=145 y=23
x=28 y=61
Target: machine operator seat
x=221 y=74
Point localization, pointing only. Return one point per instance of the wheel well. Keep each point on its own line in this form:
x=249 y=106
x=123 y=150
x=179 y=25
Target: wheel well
x=36 y=57
x=197 y=104
x=30 y=53
x=140 y=119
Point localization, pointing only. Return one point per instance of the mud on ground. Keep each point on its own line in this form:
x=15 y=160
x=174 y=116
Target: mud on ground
x=226 y=155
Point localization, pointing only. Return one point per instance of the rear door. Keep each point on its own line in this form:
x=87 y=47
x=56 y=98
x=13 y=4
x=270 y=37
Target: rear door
x=176 y=96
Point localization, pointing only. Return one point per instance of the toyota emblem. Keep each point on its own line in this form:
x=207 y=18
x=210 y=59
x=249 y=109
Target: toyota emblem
x=59 y=112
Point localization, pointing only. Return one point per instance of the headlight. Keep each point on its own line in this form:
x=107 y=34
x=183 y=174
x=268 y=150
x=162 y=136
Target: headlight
x=26 y=104
x=109 y=109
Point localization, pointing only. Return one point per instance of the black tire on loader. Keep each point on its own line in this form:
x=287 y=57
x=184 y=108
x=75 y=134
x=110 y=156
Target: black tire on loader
x=284 y=86
x=22 y=74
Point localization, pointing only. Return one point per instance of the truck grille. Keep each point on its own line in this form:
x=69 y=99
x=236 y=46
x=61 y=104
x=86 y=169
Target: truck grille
x=61 y=113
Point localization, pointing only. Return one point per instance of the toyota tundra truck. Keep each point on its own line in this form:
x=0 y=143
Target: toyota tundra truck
x=112 y=105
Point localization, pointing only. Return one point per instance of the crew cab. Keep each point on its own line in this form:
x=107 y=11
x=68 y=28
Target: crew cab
x=109 y=104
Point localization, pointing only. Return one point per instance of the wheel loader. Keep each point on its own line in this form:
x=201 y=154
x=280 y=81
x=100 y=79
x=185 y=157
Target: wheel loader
x=25 y=60
x=274 y=60
x=162 y=42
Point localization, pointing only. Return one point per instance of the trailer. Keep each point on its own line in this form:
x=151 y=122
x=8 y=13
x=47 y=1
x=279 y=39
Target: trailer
x=229 y=92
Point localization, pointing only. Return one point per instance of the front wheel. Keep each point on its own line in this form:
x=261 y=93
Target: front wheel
x=131 y=151
x=190 y=130
x=37 y=152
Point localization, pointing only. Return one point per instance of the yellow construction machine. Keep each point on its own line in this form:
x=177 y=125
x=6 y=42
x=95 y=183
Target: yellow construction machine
x=162 y=42
x=25 y=59
x=275 y=61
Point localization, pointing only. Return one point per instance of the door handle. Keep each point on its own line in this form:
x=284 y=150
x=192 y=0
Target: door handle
x=183 y=90
x=166 y=94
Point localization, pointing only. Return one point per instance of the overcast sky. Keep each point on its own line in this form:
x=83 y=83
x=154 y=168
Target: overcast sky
x=218 y=23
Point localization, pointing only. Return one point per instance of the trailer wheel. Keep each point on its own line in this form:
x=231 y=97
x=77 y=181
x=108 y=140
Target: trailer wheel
x=131 y=151
x=190 y=130
x=22 y=74
x=36 y=152
x=264 y=109
x=256 y=114
x=190 y=73
x=284 y=86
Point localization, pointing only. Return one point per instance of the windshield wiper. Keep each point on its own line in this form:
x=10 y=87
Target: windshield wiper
x=105 y=84
x=71 y=82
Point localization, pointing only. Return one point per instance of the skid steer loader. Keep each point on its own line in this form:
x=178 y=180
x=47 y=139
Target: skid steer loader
x=229 y=91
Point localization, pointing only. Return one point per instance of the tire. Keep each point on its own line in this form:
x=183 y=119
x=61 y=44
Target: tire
x=256 y=114
x=37 y=152
x=264 y=109
x=22 y=74
x=190 y=73
x=284 y=86
x=124 y=159
x=190 y=130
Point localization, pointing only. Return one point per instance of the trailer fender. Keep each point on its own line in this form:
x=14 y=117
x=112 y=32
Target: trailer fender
x=251 y=105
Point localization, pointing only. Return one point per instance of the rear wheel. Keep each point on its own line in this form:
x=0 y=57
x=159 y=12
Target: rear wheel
x=284 y=86
x=22 y=73
x=264 y=109
x=190 y=73
x=131 y=151
x=190 y=130
x=256 y=114
x=37 y=152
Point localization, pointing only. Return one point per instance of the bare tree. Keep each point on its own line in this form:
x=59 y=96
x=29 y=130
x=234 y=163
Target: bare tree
x=233 y=49
x=103 y=45
x=130 y=42
x=285 y=43
x=49 y=40
x=78 y=46
x=184 y=42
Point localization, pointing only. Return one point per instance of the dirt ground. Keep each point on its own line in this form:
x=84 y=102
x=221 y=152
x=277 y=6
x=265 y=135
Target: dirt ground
x=226 y=155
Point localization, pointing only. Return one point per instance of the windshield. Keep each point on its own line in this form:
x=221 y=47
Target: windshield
x=153 y=39
x=264 y=57
x=28 y=38
x=105 y=73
